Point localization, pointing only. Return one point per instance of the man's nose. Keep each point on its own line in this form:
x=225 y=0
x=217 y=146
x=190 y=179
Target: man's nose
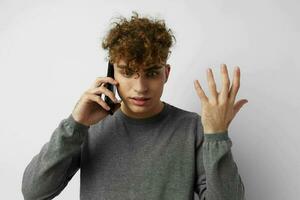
x=140 y=84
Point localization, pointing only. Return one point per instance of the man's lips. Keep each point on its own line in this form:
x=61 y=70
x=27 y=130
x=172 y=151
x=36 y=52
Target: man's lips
x=140 y=98
x=139 y=101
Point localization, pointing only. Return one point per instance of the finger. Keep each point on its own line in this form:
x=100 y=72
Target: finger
x=238 y=105
x=99 y=100
x=225 y=83
x=103 y=90
x=235 y=85
x=101 y=80
x=212 y=86
x=117 y=106
x=200 y=91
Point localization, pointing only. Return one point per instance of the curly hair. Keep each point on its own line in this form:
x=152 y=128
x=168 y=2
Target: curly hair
x=139 y=40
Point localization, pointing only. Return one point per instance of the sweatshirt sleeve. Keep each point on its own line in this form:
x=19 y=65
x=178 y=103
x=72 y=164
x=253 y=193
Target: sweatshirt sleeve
x=52 y=168
x=217 y=176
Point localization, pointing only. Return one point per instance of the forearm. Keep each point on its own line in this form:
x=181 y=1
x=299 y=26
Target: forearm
x=50 y=170
x=222 y=177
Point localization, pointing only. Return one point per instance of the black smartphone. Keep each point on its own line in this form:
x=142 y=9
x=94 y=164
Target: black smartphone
x=111 y=87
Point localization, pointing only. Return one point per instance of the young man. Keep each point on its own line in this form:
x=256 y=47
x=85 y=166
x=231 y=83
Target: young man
x=148 y=149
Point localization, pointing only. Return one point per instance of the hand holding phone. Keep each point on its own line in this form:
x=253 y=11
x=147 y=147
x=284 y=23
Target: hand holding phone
x=86 y=110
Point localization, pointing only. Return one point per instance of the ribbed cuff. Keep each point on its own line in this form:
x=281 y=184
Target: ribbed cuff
x=217 y=136
x=71 y=121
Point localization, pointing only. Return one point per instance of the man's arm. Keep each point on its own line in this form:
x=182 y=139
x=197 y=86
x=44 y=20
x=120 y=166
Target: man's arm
x=217 y=176
x=49 y=172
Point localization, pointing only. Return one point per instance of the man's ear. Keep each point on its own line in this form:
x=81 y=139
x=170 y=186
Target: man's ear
x=167 y=71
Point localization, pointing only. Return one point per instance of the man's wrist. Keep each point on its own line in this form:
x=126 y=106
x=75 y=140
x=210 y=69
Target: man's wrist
x=214 y=131
x=216 y=136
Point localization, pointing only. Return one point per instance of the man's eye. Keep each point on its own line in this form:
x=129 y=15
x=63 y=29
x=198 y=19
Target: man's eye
x=127 y=72
x=153 y=73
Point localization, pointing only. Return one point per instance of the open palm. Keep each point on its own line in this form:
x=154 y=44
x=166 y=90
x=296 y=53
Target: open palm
x=219 y=110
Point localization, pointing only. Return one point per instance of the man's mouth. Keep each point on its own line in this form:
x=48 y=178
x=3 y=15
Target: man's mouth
x=140 y=98
x=139 y=101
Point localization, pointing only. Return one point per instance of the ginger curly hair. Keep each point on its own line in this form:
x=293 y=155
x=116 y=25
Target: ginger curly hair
x=139 y=40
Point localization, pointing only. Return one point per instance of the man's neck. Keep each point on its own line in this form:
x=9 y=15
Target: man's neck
x=151 y=113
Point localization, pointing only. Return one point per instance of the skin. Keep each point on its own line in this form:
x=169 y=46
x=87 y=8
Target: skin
x=141 y=85
x=219 y=110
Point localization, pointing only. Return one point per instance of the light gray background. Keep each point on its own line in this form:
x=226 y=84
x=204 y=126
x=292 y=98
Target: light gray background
x=50 y=54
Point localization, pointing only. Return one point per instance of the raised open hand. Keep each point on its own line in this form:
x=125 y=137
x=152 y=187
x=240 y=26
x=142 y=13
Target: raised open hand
x=218 y=111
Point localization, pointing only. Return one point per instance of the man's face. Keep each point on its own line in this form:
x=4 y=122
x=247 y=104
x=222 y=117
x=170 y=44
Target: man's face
x=148 y=83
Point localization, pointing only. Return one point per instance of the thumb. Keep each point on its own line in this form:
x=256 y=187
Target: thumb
x=239 y=105
x=117 y=106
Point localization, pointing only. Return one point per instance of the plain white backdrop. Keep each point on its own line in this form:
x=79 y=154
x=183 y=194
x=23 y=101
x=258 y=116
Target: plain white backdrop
x=50 y=54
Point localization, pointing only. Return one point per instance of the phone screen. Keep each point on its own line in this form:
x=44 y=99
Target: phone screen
x=111 y=87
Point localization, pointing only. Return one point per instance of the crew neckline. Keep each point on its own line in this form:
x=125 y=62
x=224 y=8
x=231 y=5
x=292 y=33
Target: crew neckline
x=142 y=121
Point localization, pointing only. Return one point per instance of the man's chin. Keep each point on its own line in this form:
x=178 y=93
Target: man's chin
x=137 y=109
x=130 y=107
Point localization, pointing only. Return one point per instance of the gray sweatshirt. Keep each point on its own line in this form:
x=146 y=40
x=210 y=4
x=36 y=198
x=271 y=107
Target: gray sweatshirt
x=163 y=157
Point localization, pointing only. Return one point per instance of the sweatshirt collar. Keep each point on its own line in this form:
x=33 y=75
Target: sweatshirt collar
x=142 y=121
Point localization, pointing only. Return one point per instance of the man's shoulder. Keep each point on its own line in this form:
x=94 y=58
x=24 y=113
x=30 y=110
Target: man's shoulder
x=181 y=113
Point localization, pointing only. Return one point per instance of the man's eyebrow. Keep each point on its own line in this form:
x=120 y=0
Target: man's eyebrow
x=121 y=66
x=156 y=66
